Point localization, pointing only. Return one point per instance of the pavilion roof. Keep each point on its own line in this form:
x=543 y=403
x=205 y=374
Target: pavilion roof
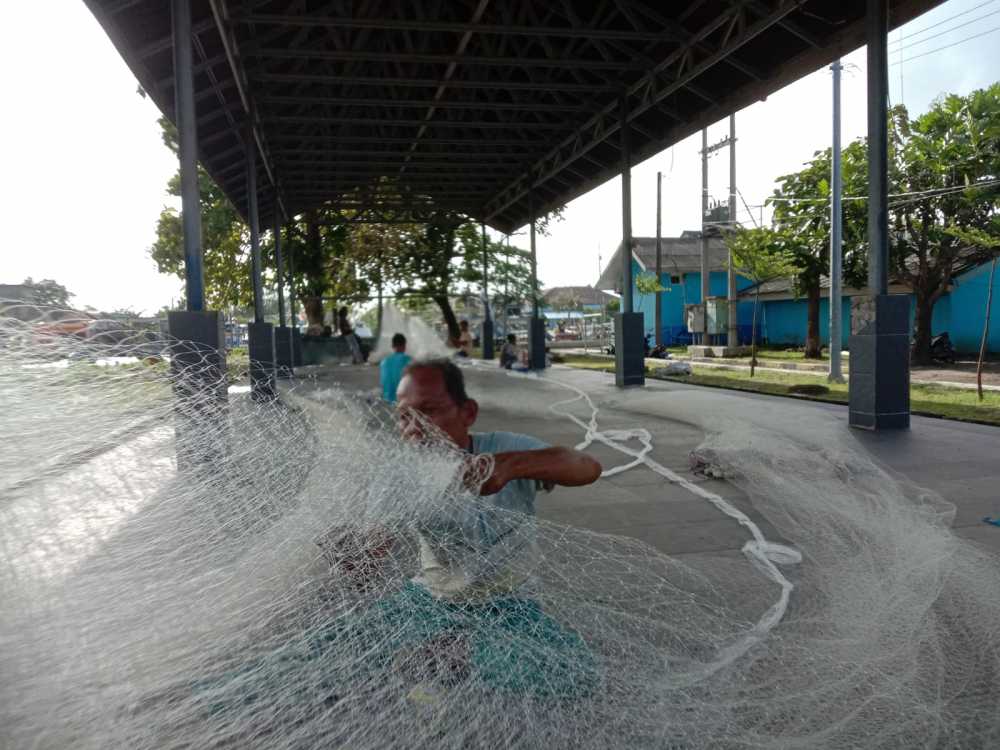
x=467 y=104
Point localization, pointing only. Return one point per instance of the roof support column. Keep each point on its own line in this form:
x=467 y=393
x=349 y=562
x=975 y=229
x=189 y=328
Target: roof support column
x=278 y=261
x=880 y=325
x=260 y=335
x=536 y=331
x=627 y=304
x=658 y=307
x=187 y=140
x=701 y=337
x=629 y=325
x=486 y=337
x=283 y=346
x=732 y=327
x=197 y=346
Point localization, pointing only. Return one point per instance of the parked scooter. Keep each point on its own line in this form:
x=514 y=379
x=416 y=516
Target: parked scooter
x=941 y=348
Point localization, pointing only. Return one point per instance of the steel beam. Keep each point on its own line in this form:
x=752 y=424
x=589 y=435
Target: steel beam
x=473 y=84
x=221 y=15
x=279 y=53
x=397 y=122
x=649 y=91
x=184 y=107
x=480 y=106
x=393 y=24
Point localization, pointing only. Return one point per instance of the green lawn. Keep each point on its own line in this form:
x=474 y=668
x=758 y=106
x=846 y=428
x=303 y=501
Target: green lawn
x=933 y=400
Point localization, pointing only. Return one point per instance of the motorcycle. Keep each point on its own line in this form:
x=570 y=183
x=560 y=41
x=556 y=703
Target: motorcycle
x=941 y=348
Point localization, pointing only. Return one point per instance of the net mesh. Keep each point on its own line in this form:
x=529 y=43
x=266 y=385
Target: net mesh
x=183 y=571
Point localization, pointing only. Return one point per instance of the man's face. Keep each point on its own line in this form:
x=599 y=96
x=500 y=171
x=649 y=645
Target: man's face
x=422 y=390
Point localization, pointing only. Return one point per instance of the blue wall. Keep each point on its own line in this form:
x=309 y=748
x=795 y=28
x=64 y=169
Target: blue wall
x=785 y=321
x=960 y=313
x=687 y=292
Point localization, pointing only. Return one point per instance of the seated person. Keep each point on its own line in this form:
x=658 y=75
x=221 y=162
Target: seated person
x=509 y=352
x=464 y=611
x=391 y=368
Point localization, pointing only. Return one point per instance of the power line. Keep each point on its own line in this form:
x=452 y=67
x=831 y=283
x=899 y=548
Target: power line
x=740 y=193
x=943 y=21
x=947 y=46
x=915 y=195
x=946 y=31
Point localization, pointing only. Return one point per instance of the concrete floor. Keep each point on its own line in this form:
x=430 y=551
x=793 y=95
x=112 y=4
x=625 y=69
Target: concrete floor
x=959 y=461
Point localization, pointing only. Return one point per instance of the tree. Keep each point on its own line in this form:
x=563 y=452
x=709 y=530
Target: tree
x=446 y=255
x=802 y=212
x=48 y=292
x=647 y=283
x=990 y=242
x=944 y=166
x=761 y=255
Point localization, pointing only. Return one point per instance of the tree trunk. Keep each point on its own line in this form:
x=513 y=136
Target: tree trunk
x=814 y=349
x=986 y=330
x=753 y=333
x=922 y=333
x=449 y=316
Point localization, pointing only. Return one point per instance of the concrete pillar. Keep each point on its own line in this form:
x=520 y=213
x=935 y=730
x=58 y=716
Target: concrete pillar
x=486 y=339
x=629 y=334
x=880 y=333
x=198 y=373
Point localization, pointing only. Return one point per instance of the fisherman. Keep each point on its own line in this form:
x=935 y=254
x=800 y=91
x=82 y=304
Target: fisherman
x=391 y=368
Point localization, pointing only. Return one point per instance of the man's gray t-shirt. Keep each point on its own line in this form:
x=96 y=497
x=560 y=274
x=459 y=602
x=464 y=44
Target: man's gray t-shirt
x=485 y=548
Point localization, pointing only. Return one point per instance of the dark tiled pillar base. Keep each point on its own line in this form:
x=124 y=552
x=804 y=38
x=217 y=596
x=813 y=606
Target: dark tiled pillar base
x=260 y=338
x=536 y=344
x=198 y=372
x=283 y=354
x=630 y=367
x=486 y=339
x=880 y=362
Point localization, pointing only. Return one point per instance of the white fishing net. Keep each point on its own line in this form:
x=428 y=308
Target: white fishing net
x=422 y=341
x=258 y=591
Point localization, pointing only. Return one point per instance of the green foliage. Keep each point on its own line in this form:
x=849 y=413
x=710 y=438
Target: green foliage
x=802 y=212
x=947 y=159
x=647 y=283
x=762 y=254
x=48 y=292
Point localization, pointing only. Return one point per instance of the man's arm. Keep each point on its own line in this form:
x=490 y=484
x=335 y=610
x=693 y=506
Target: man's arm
x=565 y=466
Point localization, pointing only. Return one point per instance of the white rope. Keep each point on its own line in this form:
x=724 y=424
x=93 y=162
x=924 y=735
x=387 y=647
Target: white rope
x=763 y=554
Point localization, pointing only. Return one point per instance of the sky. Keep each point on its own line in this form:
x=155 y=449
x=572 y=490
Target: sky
x=85 y=169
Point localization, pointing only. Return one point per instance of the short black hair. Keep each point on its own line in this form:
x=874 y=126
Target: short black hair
x=451 y=374
x=511 y=338
x=398 y=339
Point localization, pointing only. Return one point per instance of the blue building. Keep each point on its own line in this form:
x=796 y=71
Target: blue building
x=681 y=277
x=783 y=317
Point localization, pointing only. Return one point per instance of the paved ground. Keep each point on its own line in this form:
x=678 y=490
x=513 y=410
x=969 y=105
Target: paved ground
x=957 y=460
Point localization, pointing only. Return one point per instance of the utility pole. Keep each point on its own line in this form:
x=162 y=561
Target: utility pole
x=836 y=246
x=732 y=333
x=658 y=312
x=700 y=337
